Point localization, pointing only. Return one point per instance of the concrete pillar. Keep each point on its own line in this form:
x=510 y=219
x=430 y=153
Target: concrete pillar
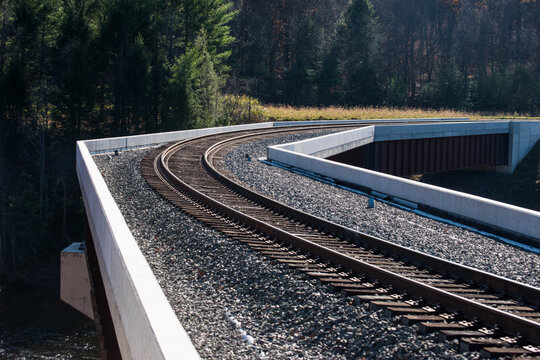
x=74 y=279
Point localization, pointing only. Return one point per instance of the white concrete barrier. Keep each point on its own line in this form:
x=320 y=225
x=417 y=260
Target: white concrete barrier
x=424 y=131
x=328 y=145
x=145 y=324
x=134 y=141
x=370 y=121
x=493 y=213
x=332 y=144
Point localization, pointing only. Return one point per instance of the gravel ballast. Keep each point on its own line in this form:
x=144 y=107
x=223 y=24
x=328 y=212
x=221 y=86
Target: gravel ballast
x=384 y=221
x=237 y=304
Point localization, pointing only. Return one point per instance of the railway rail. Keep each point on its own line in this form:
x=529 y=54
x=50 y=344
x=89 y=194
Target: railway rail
x=485 y=312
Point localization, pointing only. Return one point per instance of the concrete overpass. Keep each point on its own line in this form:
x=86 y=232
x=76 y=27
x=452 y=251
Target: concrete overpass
x=508 y=140
x=135 y=318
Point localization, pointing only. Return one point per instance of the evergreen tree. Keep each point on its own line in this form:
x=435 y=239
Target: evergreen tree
x=301 y=77
x=396 y=92
x=355 y=47
x=77 y=79
x=81 y=68
x=449 y=90
x=125 y=43
x=329 y=81
x=525 y=91
x=512 y=90
x=193 y=90
x=212 y=17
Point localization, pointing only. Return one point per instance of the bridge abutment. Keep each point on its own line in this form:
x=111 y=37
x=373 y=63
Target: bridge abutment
x=523 y=135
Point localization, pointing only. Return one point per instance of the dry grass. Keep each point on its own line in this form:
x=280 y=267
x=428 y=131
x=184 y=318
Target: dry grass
x=289 y=113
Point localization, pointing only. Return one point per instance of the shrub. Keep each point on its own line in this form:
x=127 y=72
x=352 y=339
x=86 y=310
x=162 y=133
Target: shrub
x=241 y=109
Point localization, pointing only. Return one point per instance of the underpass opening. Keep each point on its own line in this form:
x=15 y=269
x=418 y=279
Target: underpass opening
x=428 y=155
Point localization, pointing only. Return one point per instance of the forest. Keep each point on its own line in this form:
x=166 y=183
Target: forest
x=79 y=69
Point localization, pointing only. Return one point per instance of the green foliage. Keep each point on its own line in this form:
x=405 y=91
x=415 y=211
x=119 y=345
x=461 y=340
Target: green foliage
x=72 y=69
x=511 y=91
x=329 y=81
x=15 y=84
x=211 y=17
x=75 y=93
x=357 y=31
x=343 y=52
x=447 y=91
x=353 y=53
x=490 y=92
x=524 y=90
x=193 y=92
x=301 y=77
x=396 y=92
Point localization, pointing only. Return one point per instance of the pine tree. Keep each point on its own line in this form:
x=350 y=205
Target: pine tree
x=76 y=71
x=193 y=89
x=212 y=17
x=300 y=78
x=354 y=53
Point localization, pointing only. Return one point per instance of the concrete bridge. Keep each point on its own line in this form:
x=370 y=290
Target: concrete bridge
x=135 y=318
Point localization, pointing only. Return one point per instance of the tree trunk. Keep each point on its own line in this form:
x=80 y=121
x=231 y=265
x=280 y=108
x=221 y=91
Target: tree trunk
x=3 y=39
x=64 y=212
x=2 y=222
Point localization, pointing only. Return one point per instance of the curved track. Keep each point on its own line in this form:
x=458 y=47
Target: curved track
x=484 y=311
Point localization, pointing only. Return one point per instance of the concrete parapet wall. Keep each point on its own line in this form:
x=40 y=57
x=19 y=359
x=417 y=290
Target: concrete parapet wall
x=522 y=135
x=424 y=131
x=493 y=213
x=332 y=144
x=145 y=324
x=129 y=142
x=328 y=145
x=370 y=121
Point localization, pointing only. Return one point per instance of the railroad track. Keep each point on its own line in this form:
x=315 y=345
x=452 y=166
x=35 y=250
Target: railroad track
x=485 y=312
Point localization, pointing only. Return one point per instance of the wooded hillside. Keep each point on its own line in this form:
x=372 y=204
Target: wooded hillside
x=77 y=69
x=477 y=55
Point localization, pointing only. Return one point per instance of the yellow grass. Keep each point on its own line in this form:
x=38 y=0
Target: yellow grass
x=289 y=113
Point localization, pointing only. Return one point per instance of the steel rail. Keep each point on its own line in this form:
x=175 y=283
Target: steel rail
x=498 y=283
x=469 y=308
